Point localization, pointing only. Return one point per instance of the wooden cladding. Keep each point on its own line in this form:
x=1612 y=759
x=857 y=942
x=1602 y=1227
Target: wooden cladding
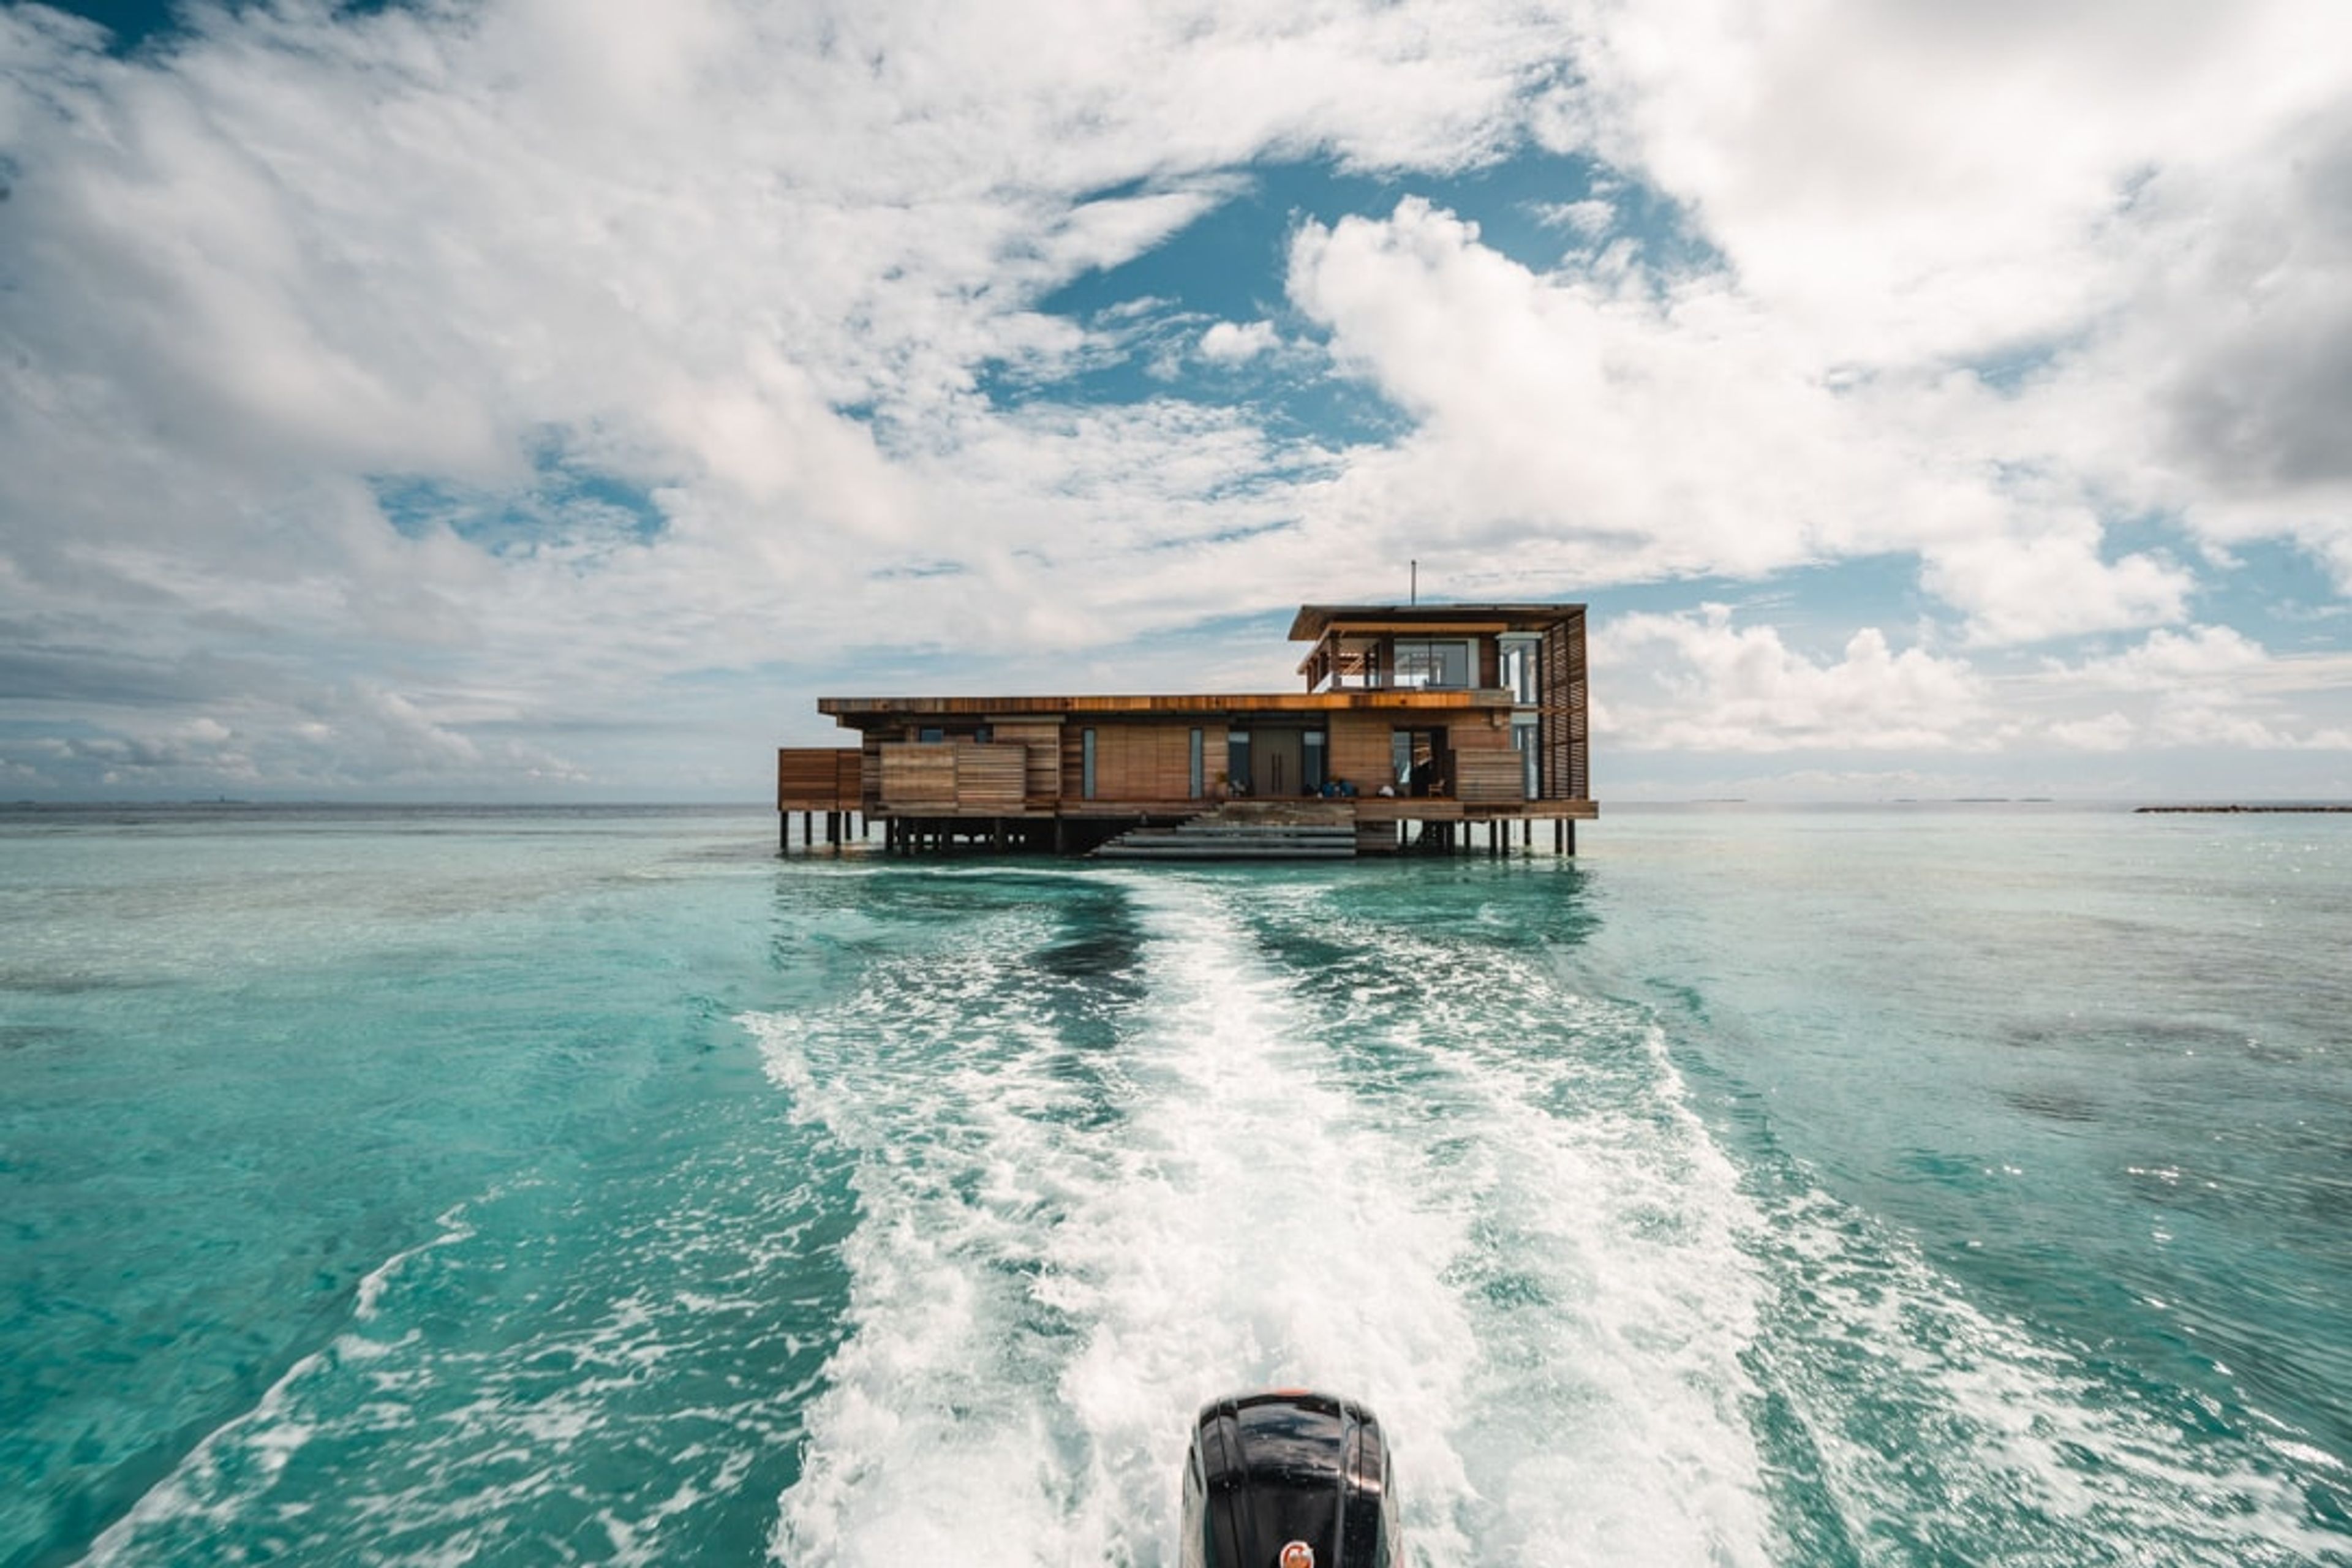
x=1140 y=762
x=818 y=778
x=919 y=777
x=1488 y=777
x=952 y=775
x=1361 y=751
x=1040 y=741
x=990 y=778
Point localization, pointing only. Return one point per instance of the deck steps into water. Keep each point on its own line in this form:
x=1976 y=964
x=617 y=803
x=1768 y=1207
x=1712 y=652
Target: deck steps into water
x=1245 y=830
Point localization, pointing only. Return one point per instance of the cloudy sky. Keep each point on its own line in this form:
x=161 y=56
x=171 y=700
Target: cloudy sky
x=549 y=399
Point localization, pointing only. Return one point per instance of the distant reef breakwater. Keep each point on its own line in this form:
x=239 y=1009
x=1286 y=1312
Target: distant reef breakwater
x=2157 y=810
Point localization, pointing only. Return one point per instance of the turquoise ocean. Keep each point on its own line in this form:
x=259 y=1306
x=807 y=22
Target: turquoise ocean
x=1893 y=1186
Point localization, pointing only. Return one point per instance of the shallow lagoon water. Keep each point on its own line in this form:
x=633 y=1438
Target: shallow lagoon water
x=1840 y=1187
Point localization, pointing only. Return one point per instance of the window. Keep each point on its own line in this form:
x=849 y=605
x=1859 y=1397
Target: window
x=1521 y=668
x=1414 y=753
x=1526 y=737
x=1086 y=764
x=1196 y=780
x=1426 y=663
x=931 y=734
x=1237 y=760
x=1312 y=770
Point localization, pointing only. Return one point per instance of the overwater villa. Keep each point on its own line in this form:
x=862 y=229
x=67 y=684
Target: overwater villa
x=1420 y=727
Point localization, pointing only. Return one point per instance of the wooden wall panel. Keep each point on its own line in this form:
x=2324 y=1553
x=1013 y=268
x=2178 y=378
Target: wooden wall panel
x=990 y=777
x=1041 y=771
x=1489 y=777
x=1361 y=750
x=917 y=776
x=1041 y=741
x=952 y=775
x=810 y=778
x=1139 y=761
x=1478 y=734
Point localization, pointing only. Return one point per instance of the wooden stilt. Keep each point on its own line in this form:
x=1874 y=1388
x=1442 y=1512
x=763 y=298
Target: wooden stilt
x=1570 y=824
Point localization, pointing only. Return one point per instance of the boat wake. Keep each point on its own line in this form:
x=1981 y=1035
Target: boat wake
x=1251 y=1133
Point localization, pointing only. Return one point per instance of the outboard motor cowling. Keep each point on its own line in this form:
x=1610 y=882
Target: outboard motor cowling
x=1289 y=1479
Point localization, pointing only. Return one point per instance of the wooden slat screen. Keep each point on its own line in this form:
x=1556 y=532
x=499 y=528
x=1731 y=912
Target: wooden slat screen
x=1041 y=740
x=952 y=775
x=817 y=778
x=990 y=777
x=1144 y=761
x=1564 y=713
x=919 y=775
x=1489 y=777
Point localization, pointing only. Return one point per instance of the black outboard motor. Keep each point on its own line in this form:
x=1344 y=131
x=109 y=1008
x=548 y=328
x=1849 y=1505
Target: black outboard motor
x=1289 y=1479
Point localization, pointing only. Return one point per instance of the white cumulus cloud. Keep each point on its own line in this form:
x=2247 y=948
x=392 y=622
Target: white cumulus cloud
x=1234 y=343
x=1699 y=681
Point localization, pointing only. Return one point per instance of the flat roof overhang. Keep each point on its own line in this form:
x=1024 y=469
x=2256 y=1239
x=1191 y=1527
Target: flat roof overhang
x=1413 y=700
x=1314 y=620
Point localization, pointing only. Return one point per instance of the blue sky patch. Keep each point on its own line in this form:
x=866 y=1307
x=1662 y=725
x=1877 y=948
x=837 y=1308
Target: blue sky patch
x=134 y=24
x=568 y=506
x=1147 y=316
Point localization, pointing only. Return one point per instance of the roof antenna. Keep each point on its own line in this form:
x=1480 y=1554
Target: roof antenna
x=1416 y=580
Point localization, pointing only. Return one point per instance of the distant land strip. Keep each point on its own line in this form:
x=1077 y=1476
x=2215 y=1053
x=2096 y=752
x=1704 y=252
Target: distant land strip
x=2146 y=810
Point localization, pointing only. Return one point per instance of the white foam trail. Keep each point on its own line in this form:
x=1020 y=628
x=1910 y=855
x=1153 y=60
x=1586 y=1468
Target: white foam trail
x=1931 y=1417
x=1608 y=1281
x=1040 y=1304
x=1931 y=1420
x=263 y=1437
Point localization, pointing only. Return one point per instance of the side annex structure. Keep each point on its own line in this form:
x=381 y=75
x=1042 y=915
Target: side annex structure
x=1419 y=724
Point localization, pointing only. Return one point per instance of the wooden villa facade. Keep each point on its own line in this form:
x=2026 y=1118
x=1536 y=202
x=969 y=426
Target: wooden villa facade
x=1418 y=726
